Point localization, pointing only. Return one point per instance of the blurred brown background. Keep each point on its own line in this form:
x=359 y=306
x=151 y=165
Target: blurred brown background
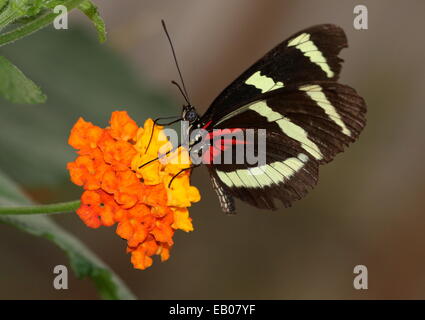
x=368 y=207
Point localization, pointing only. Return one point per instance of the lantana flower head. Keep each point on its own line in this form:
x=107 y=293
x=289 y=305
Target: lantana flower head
x=121 y=189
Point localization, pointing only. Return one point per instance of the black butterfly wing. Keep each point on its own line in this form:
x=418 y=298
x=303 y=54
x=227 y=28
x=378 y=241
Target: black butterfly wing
x=323 y=116
x=309 y=55
x=306 y=124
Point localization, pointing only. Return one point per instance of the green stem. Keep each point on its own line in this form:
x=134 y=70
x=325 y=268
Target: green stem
x=39 y=23
x=61 y=207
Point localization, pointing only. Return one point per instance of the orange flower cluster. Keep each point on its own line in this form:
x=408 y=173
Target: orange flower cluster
x=118 y=189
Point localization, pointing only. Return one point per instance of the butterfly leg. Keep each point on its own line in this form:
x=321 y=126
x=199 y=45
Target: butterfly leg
x=180 y=172
x=227 y=203
x=155 y=122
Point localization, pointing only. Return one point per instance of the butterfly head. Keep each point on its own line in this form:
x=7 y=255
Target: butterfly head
x=189 y=114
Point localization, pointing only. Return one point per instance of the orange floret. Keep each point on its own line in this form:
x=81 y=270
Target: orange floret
x=84 y=135
x=97 y=208
x=120 y=188
x=122 y=126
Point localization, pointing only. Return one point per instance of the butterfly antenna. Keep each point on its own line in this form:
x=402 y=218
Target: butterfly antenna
x=181 y=91
x=184 y=91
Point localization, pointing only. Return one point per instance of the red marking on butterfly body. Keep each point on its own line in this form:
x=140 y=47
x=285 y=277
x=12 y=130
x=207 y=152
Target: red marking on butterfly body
x=220 y=144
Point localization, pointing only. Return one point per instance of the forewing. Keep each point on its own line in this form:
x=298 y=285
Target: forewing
x=309 y=55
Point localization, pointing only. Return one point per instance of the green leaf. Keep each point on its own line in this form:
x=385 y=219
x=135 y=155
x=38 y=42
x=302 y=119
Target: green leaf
x=17 y=9
x=27 y=7
x=90 y=10
x=8 y=16
x=83 y=262
x=16 y=87
x=3 y=3
x=33 y=25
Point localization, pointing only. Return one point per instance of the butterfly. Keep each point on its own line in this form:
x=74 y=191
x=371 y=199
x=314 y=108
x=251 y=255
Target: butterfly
x=292 y=96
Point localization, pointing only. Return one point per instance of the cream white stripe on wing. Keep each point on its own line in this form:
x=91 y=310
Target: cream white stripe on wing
x=234 y=178
x=248 y=179
x=224 y=178
x=289 y=128
x=265 y=175
x=310 y=50
x=315 y=92
x=263 y=83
